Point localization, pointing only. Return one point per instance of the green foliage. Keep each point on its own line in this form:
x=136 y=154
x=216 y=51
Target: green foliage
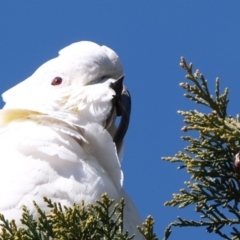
x=147 y=229
x=214 y=187
x=101 y=221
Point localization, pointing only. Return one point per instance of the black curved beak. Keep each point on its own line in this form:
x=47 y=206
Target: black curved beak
x=123 y=107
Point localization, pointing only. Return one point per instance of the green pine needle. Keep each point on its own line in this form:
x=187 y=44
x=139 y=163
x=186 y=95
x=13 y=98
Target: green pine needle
x=214 y=186
x=100 y=221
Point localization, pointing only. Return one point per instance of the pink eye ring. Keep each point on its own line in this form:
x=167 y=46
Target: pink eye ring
x=56 y=81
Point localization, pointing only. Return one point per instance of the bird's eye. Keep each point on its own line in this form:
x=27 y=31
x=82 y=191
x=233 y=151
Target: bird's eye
x=56 y=81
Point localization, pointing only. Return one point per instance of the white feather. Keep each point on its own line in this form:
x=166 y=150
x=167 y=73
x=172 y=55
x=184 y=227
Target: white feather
x=52 y=138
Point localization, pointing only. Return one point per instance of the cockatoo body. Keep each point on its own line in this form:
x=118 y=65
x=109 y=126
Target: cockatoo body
x=58 y=136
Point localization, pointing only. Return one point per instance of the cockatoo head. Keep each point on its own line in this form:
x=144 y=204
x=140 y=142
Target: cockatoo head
x=82 y=84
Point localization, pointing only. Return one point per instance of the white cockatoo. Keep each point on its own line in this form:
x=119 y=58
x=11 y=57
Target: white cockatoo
x=58 y=136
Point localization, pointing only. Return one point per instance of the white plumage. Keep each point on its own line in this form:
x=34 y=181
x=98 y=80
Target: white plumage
x=57 y=134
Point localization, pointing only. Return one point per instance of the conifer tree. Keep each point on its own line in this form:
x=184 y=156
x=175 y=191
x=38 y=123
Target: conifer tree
x=100 y=221
x=211 y=159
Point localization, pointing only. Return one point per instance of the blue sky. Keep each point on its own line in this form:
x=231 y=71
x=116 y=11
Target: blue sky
x=150 y=37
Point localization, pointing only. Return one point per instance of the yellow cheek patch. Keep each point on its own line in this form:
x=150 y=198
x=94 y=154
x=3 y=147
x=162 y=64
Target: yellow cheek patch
x=8 y=115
